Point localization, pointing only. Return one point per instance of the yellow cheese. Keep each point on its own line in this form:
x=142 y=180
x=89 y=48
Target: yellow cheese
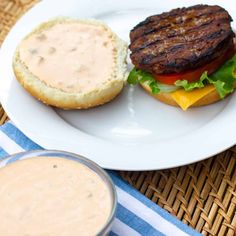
x=186 y=99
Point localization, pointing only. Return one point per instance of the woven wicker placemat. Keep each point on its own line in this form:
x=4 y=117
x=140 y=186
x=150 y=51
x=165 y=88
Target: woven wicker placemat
x=202 y=195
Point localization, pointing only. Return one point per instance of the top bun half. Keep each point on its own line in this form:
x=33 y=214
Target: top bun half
x=71 y=64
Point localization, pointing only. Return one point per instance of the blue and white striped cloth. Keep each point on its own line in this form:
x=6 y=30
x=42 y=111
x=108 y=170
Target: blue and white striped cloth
x=136 y=214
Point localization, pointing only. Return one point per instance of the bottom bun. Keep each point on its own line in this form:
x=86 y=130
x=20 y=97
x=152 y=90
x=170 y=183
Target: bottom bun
x=167 y=98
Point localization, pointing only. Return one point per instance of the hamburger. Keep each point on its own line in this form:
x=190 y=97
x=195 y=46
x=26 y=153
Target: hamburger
x=185 y=57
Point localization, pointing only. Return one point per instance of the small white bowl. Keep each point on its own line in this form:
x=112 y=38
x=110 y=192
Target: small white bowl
x=91 y=165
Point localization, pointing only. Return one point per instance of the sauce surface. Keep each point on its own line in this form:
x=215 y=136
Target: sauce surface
x=74 y=57
x=52 y=196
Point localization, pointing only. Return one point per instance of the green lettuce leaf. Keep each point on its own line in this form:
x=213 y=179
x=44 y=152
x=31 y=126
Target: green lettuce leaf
x=224 y=80
x=138 y=76
x=190 y=86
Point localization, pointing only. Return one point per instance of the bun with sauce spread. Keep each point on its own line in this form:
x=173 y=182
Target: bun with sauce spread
x=71 y=64
x=185 y=57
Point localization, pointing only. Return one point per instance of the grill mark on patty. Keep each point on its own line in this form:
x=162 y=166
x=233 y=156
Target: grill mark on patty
x=149 y=20
x=186 y=36
x=148 y=23
x=178 y=62
x=188 y=32
x=156 y=32
x=173 y=46
x=150 y=59
x=175 y=31
x=153 y=30
x=176 y=24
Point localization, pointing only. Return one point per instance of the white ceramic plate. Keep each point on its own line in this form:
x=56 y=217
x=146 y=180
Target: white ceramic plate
x=133 y=132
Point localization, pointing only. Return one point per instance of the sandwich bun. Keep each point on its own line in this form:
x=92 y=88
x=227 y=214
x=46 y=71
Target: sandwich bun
x=99 y=93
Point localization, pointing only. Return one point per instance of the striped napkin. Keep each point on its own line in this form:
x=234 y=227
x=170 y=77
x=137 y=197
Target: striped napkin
x=136 y=214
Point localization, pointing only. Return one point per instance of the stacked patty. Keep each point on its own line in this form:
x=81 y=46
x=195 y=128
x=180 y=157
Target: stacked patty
x=181 y=40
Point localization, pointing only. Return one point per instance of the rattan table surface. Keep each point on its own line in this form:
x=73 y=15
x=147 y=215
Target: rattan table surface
x=202 y=195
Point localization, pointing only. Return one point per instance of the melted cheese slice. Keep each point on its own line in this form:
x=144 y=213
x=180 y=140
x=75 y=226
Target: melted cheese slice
x=186 y=99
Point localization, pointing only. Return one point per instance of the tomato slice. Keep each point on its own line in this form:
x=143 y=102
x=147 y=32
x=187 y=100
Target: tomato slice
x=194 y=75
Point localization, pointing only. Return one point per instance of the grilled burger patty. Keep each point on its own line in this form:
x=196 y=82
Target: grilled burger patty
x=181 y=39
